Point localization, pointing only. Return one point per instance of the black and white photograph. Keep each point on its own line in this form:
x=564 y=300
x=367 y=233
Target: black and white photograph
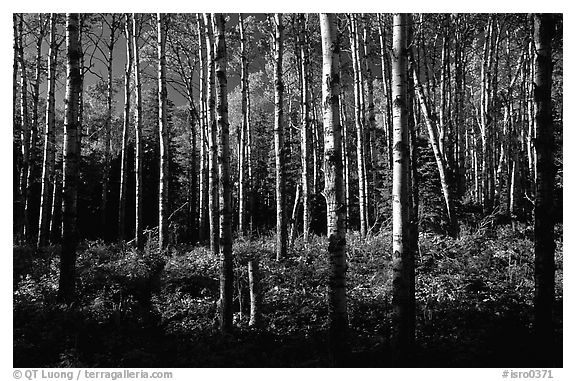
x=287 y=190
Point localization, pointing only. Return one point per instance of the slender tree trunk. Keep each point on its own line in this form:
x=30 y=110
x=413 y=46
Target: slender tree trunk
x=255 y=293
x=203 y=171
x=305 y=127
x=56 y=213
x=193 y=174
x=403 y=318
x=502 y=173
x=82 y=19
x=294 y=217
x=513 y=187
x=34 y=169
x=531 y=122
x=496 y=135
x=509 y=150
x=225 y=189
x=460 y=168
x=290 y=120
x=108 y=129
x=444 y=89
x=486 y=116
x=360 y=156
x=252 y=193
x=66 y=287
x=362 y=75
x=440 y=162
x=526 y=169
x=49 y=141
x=139 y=235
x=244 y=187
x=316 y=162
x=125 y=129
x=212 y=139
x=477 y=169
x=193 y=210
x=163 y=132
x=16 y=128
x=386 y=87
x=24 y=133
x=281 y=228
x=334 y=192
x=544 y=245
x=345 y=157
x=516 y=152
x=414 y=197
x=371 y=154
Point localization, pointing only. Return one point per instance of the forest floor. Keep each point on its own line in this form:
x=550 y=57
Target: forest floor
x=473 y=304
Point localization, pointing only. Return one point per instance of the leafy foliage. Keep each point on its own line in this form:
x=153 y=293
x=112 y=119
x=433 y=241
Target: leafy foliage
x=474 y=301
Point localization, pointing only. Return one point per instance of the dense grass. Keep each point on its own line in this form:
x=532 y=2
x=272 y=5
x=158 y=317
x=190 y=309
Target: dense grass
x=143 y=309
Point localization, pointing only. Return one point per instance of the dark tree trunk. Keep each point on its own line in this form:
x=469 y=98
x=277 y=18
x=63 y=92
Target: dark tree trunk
x=305 y=126
x=56 y=214
x=16 y=127
x=66 y=287
x=108 y=129
x=544 y=244
x=139 y=235
x=163 y=132
x=125 y=129
x=24 y=134
x=414 y=197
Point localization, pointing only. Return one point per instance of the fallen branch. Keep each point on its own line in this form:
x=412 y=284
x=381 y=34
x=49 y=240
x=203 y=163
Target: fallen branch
x=177 y=210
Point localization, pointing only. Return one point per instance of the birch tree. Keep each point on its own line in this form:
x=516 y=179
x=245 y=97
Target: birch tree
x=243 y=180
x=370 y=116
x=438 y=155
x=386 y=86
x=15 y=124
x=334 y=190
x=24 y=132
x=49 y=139
x=305 y=124
x=281 y=225
x=203 y=126
x=35 y=170
x=212 y=138
x=138 y=239
x=358 y=120
x=403 y=299
x=224 y=186
x=163 y=134
x=125 y=127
